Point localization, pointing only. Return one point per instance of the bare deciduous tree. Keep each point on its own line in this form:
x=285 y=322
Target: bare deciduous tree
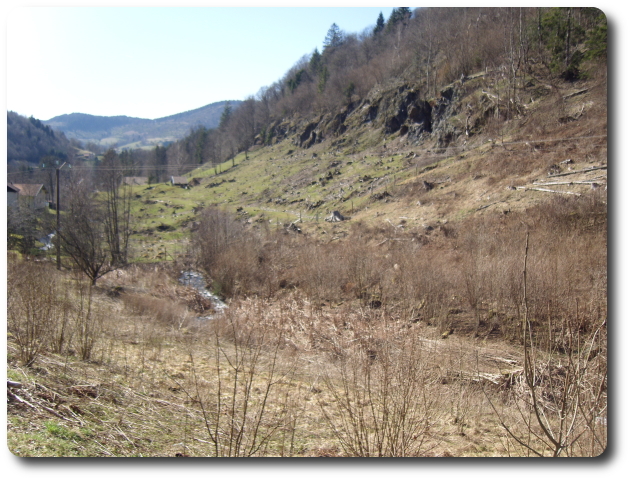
x=562 y=404
x=83 y=232
x=117 y=208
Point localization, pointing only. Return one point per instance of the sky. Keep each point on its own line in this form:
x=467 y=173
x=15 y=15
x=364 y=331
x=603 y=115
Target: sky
x=153 y=62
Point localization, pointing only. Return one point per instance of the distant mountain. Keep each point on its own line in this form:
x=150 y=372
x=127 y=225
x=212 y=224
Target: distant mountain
x=137 y=132
x=28 y=139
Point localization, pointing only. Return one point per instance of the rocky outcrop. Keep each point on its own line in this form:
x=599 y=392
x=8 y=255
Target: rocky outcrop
x=278 y=131
x=445 y=108
x=401 y=108
x=336 y=126
x=309 y=135
x=405 y=110
x=326 y=126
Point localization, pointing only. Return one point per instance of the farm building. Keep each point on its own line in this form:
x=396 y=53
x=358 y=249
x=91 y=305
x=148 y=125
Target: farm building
x=30 y=194
x=179 y=181
x=12 y=195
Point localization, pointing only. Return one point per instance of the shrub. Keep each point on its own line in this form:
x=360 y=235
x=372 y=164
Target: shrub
x=384 y=400
x=36 y=311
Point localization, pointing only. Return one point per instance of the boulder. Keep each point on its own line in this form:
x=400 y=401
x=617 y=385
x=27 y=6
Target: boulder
x=335 y=217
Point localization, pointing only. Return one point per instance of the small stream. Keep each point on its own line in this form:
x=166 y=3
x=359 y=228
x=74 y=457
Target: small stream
x=198 y=282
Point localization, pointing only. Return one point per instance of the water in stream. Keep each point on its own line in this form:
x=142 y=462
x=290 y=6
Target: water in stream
x=198 y=282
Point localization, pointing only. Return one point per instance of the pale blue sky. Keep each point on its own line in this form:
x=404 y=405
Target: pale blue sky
x=155 y=62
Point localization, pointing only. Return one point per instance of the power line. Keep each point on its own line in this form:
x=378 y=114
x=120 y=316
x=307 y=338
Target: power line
x=439 y=150
x=113 y=169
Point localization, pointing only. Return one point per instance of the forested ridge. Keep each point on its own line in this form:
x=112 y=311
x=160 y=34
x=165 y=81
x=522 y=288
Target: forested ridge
x=130 y=132
x=421 y=52
x=413 y=54
x=28 y=139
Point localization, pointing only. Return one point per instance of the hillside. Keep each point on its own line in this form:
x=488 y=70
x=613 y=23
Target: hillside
x=29 y=139
x=427 y=172
x=123 y=130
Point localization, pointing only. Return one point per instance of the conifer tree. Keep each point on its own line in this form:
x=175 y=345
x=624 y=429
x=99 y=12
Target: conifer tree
x=334 y=37
x=398 y=15
x=315 y=63
x=380 y=24
x=225 y=116
x=323 y=79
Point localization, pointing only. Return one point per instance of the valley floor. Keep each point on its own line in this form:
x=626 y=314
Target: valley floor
x=284 y=377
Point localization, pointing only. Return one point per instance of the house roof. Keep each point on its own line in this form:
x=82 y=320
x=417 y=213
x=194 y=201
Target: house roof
x=179 y=180
x=12 y=188
x=28 y=189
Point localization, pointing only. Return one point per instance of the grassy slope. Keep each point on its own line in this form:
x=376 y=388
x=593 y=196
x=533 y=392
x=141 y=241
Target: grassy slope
x=384 y=183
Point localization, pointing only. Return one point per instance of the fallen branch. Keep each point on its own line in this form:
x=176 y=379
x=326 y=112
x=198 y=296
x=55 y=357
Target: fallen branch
x=548 y=190
x=585 y=170
x=577 y=182
x=486 y=206
x=103 y=448
x=494 y=378
x=74 y=415
x=575 y=94
x=124 y=435
x=19 y=399
x=203 y=441
x=52 y=412
x=493 y=358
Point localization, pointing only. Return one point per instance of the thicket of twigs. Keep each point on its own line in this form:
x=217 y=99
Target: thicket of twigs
x=537 y=279
x=474 y=268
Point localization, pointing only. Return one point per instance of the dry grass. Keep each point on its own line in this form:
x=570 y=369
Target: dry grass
x=325 y=381
x=385 y=342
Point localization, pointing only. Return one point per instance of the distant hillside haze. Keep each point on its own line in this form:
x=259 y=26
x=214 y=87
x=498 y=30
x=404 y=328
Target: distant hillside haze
x=91 y=123
x=138 y=132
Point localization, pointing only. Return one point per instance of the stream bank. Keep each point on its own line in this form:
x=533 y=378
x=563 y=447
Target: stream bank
x=197 y=281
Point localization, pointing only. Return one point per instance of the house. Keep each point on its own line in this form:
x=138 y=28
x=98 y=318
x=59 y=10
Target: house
x=30 y=194
x=85 y=156
x=179 y=181
x=12 y=195
x=135 y=180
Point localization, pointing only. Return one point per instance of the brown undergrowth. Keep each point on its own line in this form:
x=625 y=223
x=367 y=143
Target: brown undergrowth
x=465 y=275
x=488 y=339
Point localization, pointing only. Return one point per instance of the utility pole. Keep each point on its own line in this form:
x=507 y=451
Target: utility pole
x=58 y=242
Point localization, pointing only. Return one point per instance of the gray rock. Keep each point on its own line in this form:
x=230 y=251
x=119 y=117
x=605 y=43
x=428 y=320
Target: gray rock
x=335 y=217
